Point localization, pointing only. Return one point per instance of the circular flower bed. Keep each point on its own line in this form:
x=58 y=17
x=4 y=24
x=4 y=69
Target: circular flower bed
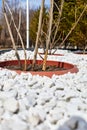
x=61 y=67
x=81 y=52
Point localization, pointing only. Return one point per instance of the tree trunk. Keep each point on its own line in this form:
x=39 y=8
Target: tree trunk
x=10 y=32
x=49 y=34
x=38 y=33
x=18 y=32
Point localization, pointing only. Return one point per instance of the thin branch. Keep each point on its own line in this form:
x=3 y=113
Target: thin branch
x=49 y=34
x=40 y=56
x=58 y=21
x=56 y=6
x=57 y=40
x=19 y=24
x=38 y=33
x=73 y=27
x=10 y=32
x=18 y=34
x=44 y=33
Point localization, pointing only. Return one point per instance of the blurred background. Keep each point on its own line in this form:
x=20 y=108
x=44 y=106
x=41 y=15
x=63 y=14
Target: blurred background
x=71 y=12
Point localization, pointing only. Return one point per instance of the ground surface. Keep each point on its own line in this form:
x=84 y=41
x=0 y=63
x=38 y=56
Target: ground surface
x=40 y=103
x=36 y=67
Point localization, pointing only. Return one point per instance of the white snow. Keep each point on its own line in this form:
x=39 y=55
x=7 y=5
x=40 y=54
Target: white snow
x=41 y=102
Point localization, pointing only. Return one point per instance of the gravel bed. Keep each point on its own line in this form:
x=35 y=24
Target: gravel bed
x=41 y=103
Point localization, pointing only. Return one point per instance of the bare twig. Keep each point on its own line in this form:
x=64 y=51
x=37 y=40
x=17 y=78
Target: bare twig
x=18 y=34
x=38 y=33
x=10 y=32
x=58 y=21
x=49 y=34
x=19 y=24
x=40 y=56
x=73 y=27
x=56 y=6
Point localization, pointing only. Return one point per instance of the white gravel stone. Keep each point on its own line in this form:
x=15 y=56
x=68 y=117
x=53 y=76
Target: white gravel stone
x=1 y=111
x=7 y=94
x=0 y=103
x=14 y=124
x=36 y=115
x=11 y=105
x=8 y=85
x=6 y=115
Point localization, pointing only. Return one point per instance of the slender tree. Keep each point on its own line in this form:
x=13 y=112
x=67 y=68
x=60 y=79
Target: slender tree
x=19 y=35
x=48 y=41
x=38 y=33
x=10 y=32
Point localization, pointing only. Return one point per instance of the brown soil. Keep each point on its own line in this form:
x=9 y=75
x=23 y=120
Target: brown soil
x=36 y=68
